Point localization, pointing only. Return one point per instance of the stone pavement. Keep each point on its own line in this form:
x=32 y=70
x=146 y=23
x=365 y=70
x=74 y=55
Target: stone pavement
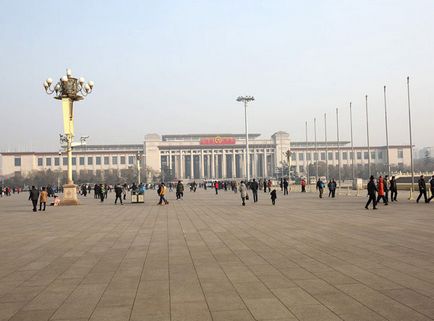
x=209 y=258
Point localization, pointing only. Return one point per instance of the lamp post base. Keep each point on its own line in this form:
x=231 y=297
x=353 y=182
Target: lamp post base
x=69 y=195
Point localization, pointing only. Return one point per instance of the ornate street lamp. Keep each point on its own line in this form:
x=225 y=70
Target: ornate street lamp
x=68 y=90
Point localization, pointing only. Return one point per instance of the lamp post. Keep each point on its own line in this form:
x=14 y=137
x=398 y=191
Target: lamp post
x=352 y=144
x=138 y=157
x=326 y=146
x=411 y=139
x=316 y=152
x=245 y=100
x=387 y=132
x=367 y=136
x=69 y=90
x=306 y=160
x=339 y=148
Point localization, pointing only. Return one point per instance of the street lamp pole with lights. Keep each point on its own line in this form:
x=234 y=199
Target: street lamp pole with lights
x=245 y=100
x=69 y=90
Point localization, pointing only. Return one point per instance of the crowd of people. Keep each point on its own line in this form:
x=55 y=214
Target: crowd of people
x=382 y=189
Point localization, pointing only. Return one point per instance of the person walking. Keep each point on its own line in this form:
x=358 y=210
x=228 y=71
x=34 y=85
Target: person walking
x=303 y=185
x=431 y=183
x=243 y=192
x=320 y=187
x=285 y=187
x=372 y=190
x=179 y=190
x=422 y=189
x=102 y=192
x=216 y=187
x=386 y=187
x=254 y=187
x=43 y=198
x=270 y=184
x=273 y=196
x=393 y=189
x=333 y=188
x=329 y=186
x=118 y=194
x=162 y=192
x=380 y=190
x=265 y=185
x=34 y=196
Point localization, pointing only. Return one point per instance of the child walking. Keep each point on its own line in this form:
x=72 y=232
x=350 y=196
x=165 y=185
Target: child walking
x=273 y=196
x=43 y=199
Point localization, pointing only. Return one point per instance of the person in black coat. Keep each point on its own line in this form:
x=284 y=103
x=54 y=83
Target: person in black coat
x=422 y=189
x=34 y=196
x=393 y=189
x=285 y=187
x=372 y=191
x=254 y=187
x=265 y=185
x=118 y=192
x=431 y=183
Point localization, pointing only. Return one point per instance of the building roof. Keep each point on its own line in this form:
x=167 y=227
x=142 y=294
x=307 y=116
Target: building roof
x=177 y=137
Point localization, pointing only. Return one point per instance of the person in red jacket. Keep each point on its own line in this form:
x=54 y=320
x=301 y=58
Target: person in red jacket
x=381 y=193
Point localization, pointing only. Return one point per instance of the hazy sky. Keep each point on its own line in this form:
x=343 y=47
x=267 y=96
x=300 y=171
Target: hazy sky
x=178 y=66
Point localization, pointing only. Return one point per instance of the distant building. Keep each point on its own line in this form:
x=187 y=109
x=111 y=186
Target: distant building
x=203 y=156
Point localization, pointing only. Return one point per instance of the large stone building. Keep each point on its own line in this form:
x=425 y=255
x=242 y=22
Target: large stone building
x=204 y=156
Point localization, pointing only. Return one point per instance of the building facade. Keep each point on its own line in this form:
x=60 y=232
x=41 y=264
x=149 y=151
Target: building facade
x=205 y=156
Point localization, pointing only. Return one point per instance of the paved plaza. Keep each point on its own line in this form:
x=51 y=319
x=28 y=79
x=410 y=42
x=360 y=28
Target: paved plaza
x=209 y=258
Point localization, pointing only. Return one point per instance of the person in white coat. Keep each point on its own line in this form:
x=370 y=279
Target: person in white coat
x=243 y=192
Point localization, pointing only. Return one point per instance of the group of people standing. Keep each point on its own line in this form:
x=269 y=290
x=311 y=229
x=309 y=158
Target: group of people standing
x=379 y=190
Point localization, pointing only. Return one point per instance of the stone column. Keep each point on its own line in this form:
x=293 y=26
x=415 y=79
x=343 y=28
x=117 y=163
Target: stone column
x=265 y=163
x=191 y=165
x=224 y=172
x=212 y=162
x=202 y=165
x=234 y=170
x=254 y=171
x=181 y=165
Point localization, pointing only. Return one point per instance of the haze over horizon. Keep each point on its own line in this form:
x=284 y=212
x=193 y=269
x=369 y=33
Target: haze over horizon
x=177 y=67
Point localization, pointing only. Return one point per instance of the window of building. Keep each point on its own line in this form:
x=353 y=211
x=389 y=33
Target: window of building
x=56 y=161
x=330 y=156
x=337 y=155
x=114 y=160
x=17 y=161
x=359 y=155
x=106 y=160
x=372 y=155
x=351 y=155
x=400 y=153
x=365 y=155
x=90 y=161
x=81 y=161
x=65 y=161
x=48 y=161
x=122 y=160
x=131 y=160
x=300 y=169
x=308 y=156
x=300 y=156
x=323 y=156
x=293 y=156
x=345 y=155
x=315 y=156
x=98 y=160
x=40 y=161
x=380 y=155
x=74 y=161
